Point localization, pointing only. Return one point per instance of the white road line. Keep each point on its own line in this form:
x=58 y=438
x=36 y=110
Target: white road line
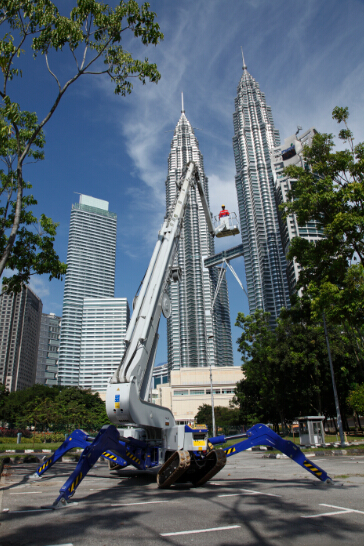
x=23 y=511
x=328 y=514
x=342 y=508
x=68 y=544
x=200 y=531
x=134 y=503
x=250 y=492
x=27 y=493
x=261 y=493
x=232 y=495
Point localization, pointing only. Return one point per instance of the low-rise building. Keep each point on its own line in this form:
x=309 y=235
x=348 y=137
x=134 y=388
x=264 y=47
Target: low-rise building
x=190 y=388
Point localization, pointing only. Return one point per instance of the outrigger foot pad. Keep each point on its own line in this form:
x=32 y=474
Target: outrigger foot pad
x=34 y=476
x=61 y=502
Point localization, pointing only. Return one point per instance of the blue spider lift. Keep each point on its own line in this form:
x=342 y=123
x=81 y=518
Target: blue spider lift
x=130 y=451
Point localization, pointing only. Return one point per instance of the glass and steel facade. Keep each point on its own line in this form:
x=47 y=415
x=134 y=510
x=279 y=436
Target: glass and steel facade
x=48 y=350
x=20 y=319
x=283 y=156
x=195 y=335
x=254 y=139
x=90 y=273
x=104 y=325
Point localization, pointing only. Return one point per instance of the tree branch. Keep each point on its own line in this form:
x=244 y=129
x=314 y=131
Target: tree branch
x=50 y=71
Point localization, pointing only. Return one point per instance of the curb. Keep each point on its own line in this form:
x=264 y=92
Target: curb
x=337 y=453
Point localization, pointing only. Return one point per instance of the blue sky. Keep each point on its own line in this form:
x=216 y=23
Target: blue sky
x=307 y=57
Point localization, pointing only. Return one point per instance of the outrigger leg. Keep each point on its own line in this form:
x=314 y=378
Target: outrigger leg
x=128 y=450
x=88 y=458
x=78 y=438
x=263 y=435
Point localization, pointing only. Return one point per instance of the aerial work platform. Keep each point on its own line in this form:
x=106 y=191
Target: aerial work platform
x=226 y=225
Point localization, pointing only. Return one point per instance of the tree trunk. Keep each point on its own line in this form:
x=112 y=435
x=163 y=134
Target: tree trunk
x=355 y=423
x=358 y=418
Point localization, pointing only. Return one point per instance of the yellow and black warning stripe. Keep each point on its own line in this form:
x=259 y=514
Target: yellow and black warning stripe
x=229 y=450
x=76 y=482
x=109 y=456
x=132 y=457
x=312 y=468
x=45 y=465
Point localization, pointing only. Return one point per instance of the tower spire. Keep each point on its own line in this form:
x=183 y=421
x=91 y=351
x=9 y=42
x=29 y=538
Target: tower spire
x=242 y=54
x=183 y=108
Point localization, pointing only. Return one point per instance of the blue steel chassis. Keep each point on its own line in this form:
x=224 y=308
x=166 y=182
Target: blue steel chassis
x=129 y=451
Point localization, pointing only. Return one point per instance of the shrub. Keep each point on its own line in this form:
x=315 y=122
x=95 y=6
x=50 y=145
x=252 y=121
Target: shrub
x=12 y=432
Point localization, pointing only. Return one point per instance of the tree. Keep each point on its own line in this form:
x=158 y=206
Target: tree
x=225 y=418
x=330 y=191
x=4 y=393
x=32 y=252
x=40 y=412
x=56 y=407
x=92 y=33
x=286 y=371
x=356 y=399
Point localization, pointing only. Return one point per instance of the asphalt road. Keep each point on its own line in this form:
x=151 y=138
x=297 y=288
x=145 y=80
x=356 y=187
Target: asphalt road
x=252 y=501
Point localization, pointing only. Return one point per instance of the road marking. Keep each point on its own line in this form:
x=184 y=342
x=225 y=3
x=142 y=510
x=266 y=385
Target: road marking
x=328 y=514
x=134 y=503
x=23 y=511
x=260 y=493
x=200 y=531
x=68 y=544
x=250 y=492
x=27 y=493
x=341 y=509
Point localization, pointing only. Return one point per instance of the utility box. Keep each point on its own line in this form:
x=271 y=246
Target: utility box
x=311 y=430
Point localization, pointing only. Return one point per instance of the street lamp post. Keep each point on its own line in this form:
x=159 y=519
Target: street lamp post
x=212 y=390
x=338 y=414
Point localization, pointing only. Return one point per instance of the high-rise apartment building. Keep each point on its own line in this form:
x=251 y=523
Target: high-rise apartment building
x=90 y=273
x=283 y=156
x=48 y=350
x=195 y=335
x=20 y=318
x=253 y=142
x=104 y=325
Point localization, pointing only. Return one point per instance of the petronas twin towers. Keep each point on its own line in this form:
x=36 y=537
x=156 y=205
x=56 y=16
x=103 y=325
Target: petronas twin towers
x=196 y=334
x=253 y=143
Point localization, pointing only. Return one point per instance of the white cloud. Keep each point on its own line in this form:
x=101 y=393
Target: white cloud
x=39 y=286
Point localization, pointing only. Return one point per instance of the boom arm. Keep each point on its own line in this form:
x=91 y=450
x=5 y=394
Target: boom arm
x=128 y=389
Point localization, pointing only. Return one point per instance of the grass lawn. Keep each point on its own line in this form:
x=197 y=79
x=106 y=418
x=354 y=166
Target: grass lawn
x=28 y=445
